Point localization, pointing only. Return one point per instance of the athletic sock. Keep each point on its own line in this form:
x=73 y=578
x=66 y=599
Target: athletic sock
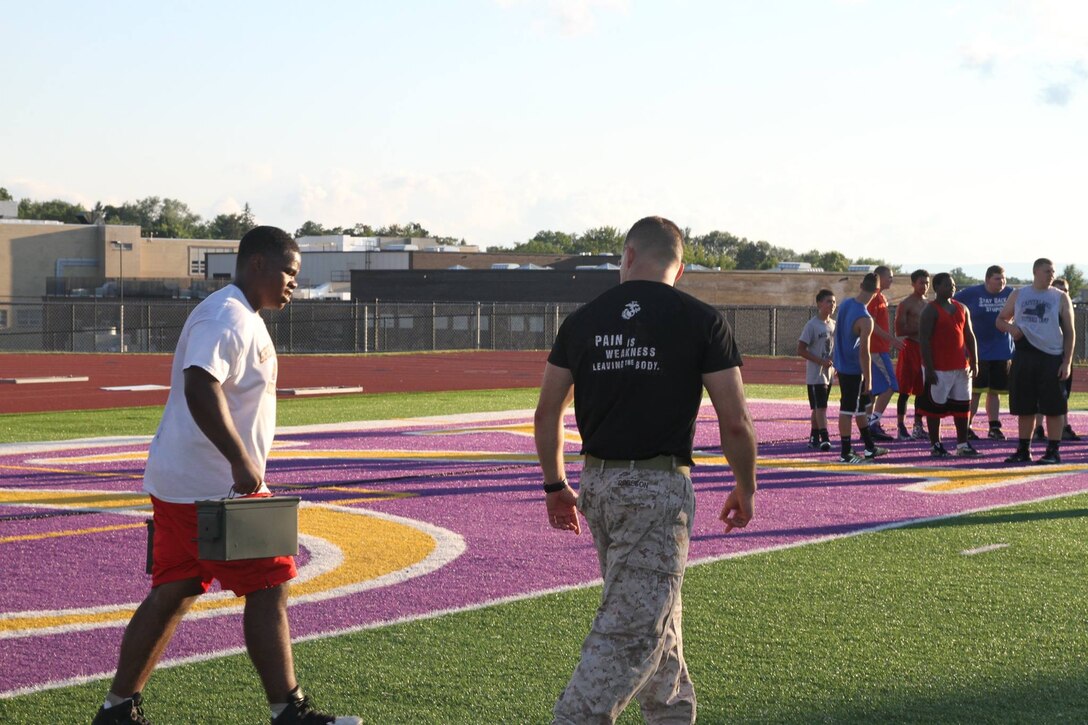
x=1052 y=446
x=867 y=438
x=1024 y=446
x=845 y=447
x=995 y=425
x=823 y=435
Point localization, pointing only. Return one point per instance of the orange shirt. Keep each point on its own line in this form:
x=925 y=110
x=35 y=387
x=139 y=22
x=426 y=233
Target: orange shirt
x=949 y=348
x=878 y=308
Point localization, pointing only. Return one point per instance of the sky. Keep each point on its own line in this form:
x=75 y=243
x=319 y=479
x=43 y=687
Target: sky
x=925 y=133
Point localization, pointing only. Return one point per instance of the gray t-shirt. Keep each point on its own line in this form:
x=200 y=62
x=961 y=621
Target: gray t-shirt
x=820 y=338
x=1036 y=315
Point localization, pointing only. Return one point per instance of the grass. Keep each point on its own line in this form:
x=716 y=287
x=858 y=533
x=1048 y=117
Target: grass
x=892 y=627
x=897 y=626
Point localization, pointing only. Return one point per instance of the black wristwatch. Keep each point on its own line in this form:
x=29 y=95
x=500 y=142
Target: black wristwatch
x=554 y=487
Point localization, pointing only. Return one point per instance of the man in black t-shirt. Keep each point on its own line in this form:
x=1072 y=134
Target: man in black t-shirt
x=638 y=358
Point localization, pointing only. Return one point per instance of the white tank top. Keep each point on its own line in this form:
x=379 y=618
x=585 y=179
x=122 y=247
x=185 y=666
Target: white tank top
x=1037 y=316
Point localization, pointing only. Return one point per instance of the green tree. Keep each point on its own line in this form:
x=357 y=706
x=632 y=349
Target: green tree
x=310 y=229
x=961 y=278
x=599 y=240
x=5 y=195
x=52 y=210
x=547 y=241
x=411 y=229
x=232 y=226
x=1075 y=278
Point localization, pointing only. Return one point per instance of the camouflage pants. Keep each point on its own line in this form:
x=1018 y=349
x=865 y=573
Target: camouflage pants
x=641 y=525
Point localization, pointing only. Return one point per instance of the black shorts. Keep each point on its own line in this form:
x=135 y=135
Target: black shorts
x=818 y=395
x=1034 y=386
x=851 y=400
x=993 y=375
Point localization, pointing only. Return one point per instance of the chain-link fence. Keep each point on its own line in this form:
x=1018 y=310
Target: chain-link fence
x=311 y=326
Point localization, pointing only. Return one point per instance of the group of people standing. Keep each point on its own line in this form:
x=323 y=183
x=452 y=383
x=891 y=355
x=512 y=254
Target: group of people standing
x=985 y=340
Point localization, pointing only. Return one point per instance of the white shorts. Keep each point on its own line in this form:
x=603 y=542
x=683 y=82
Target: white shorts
x=950 y=385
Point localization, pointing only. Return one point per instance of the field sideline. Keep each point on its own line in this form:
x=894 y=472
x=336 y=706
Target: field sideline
x=971 y=618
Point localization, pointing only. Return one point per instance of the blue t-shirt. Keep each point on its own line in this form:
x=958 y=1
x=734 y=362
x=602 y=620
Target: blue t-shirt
x=846 y=340
x=993 y=344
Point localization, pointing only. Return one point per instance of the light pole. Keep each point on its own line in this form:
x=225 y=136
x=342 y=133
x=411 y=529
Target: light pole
x=121 y=248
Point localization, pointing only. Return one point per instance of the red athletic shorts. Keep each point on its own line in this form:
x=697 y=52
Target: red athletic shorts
x=908 y=371
x=175 y=556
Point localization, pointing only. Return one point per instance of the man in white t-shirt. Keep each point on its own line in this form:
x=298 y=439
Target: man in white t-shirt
x=215 y=435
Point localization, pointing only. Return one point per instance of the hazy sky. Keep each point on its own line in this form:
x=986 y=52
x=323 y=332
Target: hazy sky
x=917 y=131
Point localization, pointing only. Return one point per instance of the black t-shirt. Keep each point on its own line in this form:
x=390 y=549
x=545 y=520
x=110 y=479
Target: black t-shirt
x=637 y=354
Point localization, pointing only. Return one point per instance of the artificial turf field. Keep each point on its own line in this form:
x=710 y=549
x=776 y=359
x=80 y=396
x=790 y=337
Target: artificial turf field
x=894 y=625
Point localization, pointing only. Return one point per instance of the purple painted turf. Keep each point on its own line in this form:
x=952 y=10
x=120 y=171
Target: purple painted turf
x=496 y=507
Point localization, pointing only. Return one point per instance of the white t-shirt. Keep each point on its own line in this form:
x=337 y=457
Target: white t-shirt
x=224 y=336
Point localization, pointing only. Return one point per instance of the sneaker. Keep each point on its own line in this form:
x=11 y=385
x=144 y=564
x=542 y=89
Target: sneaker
x=876 y=452
x=972 y=435
x=852 y=459
x=129 y=711
x=919 y=433
x=876 y=430
x=1040 y=435
x=995 y=434
x=301 y=710
x=938 y=451
x=1050 y=458
x=904 y=434
x=967 y=450
x=1068 y=434
x=825 y=446
x=813 y=442
x=1019 y=457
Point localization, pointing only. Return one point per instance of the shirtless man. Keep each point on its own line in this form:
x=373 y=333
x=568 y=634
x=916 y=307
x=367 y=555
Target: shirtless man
x=908 y=370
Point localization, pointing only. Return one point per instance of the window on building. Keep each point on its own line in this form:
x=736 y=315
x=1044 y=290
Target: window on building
x=3 y=318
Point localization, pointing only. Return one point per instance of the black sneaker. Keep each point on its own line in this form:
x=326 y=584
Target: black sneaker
x=995 y=434
x=972 y=435
x=876 y=430
x=851 y=459
x=938 y=451
x=1050 y=458
x=825 y=446
x=1019 y=457
x=813 y=442
x=1068 y=434
x=129 y=711
x=967 y=450
x=301 y=710
x=1040 y=435
x=874 y=452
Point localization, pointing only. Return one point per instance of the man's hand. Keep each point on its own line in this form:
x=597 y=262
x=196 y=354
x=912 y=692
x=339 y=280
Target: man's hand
x=247 y=479
x=897 y=342
x=562 y=512
x=738 y=510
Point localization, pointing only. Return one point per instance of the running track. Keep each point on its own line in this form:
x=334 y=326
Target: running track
x=410 y=518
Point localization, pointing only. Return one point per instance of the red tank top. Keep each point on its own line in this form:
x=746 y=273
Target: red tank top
x=949 y=350
x=878 y=308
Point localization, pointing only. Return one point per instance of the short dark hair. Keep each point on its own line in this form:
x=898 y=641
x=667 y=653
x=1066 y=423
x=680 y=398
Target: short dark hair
x=266 y=241
x=918 y=274
x=882 y=270
x=994 y=269
x=1039 y=263
x=823 y=295
x=658 y=237
x=868 y=282
x=939 y=279
x=1060 y=282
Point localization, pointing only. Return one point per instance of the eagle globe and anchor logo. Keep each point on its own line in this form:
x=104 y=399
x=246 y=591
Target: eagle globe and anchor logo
x=631 y=309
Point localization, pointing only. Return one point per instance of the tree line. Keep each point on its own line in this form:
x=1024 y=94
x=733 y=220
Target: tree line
x=171 y=218
x=716 y=249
